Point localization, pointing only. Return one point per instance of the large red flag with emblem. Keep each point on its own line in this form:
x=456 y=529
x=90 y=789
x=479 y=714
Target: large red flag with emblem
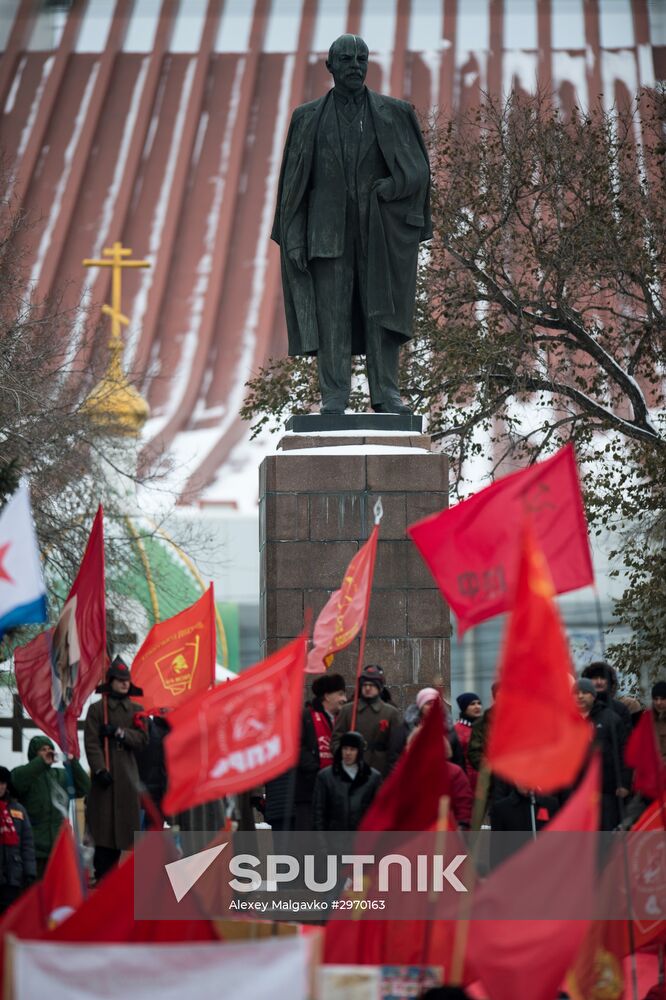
x=341 y=619
x=177 y=658
x=238 y=735
x=538 y=738
x=58 y=670
x=472 y=549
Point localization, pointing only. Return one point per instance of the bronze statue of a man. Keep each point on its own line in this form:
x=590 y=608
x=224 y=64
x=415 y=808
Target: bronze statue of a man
x=353 y=205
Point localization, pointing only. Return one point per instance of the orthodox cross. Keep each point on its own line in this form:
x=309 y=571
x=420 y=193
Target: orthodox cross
x=116 y=259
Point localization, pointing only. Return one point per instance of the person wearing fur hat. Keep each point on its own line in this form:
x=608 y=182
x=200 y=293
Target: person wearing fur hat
x=18 y=866
x=659 y=715
x=344 y=791
x=112 y=736
x=604 y=678
x=378 y=721
x=329 y=695
x=45 y=791
x=471 y=711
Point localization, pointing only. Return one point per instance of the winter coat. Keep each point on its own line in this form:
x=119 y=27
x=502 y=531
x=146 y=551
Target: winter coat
x=43 y=790
x=513 y=814
x=18 y=865
x=660 y=730
x=113 y=813
x=462 y=799
x=610 y=737
x=294 y=789
x=150 y=760
x=463 y=733
x=380 y=724
x=312 y=206
x=339 y=802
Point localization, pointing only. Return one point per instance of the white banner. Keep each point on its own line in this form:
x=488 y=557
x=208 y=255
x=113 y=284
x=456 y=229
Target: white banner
x=248 y=971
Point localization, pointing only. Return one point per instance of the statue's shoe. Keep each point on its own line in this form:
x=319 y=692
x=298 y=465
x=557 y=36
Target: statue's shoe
x=392 y=406
x=332 y=411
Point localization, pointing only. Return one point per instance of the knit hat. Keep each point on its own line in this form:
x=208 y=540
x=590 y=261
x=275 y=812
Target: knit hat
x=425 y=695
x=659 y=689
x=353 y=739
x=465 y=700
x=374 y=674
x=586 y=686
x=118 y=671
x=327 y=684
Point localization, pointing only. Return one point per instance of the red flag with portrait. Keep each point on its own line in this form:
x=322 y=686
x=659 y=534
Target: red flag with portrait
x=177 y=658
x=342 y=617
x=58 y=670
x=238 y=735
x=472 y=549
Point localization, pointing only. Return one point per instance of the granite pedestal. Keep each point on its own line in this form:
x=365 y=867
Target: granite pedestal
x=316 y=499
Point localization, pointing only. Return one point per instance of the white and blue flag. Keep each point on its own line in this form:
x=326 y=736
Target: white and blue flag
x=22 y=590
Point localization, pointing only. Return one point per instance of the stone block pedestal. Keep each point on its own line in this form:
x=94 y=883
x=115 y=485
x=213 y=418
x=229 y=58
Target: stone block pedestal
x=316 y=499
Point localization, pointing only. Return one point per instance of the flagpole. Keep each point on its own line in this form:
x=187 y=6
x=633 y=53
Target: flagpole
x=600 y=619
x=378 y=512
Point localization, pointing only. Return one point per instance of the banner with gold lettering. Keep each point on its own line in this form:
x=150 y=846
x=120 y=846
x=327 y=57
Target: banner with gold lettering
x=177 y=658
x=346 y=609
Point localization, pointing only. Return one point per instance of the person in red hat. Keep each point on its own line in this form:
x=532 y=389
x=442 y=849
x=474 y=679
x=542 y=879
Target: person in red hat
x=112 y=737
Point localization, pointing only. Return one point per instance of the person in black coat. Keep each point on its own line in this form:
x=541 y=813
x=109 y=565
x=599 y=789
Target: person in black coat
x=344 y=791
x=521 y=812
x=610 y=739
x=18 y=865
x=604 y=678
x=288 y=803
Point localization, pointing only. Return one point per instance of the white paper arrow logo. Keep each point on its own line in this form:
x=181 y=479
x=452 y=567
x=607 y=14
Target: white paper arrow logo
x=183 y=874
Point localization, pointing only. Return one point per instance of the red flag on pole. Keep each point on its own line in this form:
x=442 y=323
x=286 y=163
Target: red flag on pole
x=49 y=901
x=537 y=739
x=58 y=670
x=472 y=549
x=529 y=958
x=410 y=797
x=177 y=658
x=342 y=617
x=238 y=735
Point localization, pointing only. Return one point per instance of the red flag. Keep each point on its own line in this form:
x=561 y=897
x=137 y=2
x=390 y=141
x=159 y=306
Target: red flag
x=410 y=797
x=58 y=671
x=177 y=658
x=342 y=617
x=408 y=800
x=238 y=735
x=472 y=549
x=643 y=755
x=108 y=913
x=529 y=958
x=48 y=901
x=538 y=739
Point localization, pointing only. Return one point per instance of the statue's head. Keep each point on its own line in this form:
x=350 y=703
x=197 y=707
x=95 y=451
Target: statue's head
x=348 y=62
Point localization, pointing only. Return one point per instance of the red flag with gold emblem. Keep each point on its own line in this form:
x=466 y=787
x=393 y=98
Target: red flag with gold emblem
x=177 y=658
x=342 y=617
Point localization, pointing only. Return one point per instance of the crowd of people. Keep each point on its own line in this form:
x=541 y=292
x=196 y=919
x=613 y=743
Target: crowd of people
x=327 y=790
x=346 y=752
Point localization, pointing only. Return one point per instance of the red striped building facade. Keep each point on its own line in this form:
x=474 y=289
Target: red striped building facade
x=162 y=124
